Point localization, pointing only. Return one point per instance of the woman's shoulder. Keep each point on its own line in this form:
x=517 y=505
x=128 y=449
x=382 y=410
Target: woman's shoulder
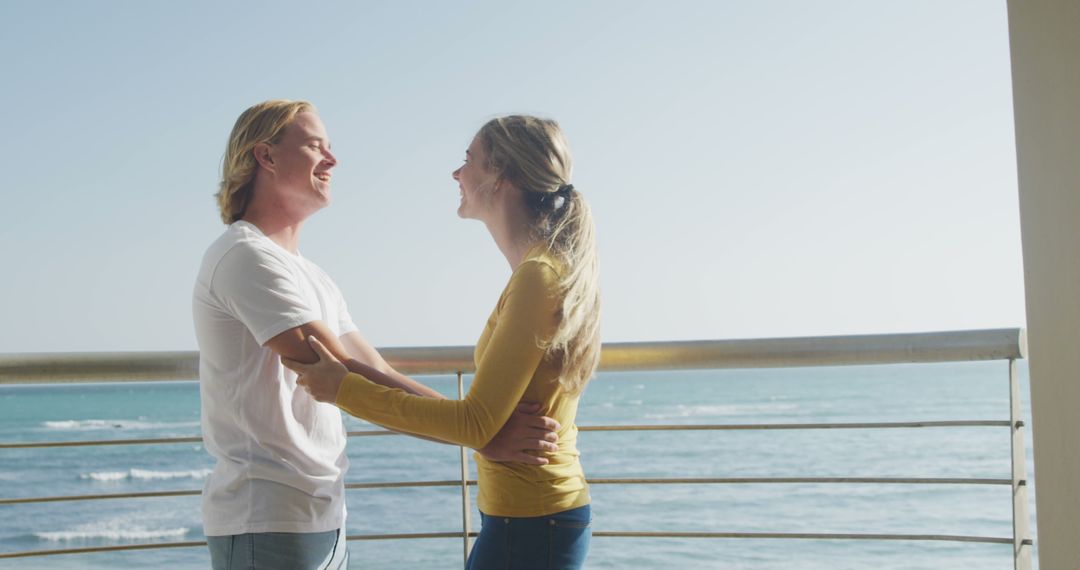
x=540 y=266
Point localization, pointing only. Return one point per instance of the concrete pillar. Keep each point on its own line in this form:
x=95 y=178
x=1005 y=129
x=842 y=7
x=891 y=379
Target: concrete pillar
x=1045 y=42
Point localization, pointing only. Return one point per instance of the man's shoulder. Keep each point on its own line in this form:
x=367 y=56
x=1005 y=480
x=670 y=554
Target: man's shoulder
x=238 y=255
x=315 y=270
x=239 y=239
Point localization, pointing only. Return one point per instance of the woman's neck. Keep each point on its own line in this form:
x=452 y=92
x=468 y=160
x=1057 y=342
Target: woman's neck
x=510 y=230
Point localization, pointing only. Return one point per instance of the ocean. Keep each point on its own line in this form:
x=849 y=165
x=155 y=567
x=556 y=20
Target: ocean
x=908 y=392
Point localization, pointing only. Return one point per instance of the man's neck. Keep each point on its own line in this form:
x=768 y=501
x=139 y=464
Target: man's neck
x=280 y=229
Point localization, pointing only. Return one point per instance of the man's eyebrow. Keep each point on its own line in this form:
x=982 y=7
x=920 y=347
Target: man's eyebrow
x=467 y=153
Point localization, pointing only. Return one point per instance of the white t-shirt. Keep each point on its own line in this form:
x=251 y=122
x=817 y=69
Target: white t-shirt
x=280 y=454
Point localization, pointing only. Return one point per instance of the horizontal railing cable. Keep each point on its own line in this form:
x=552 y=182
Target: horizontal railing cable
x=644 y=427
x=93 y=549
x=802 y=426
x=100 y=497
x=92 y=442
x=598 y=534
x=807 y=536
x=154 y=441
x=591 y=481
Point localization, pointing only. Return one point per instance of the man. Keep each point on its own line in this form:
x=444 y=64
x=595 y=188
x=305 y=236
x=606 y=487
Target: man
x=276 y=496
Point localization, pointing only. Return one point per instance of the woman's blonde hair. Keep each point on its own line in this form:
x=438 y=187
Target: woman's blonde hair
x=532 y=154
x=264 y=122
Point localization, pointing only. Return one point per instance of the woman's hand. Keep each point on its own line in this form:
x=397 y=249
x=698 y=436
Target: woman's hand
x=321 y=378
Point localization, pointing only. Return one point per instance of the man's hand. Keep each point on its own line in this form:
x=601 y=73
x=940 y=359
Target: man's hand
x=524 y=431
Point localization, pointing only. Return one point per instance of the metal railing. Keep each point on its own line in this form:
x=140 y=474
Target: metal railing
x=997 y=344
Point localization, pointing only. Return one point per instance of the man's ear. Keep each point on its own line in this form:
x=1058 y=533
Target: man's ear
x=263 y=155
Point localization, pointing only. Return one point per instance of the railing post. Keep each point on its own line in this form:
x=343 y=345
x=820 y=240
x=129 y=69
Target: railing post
x=1021 y=529
x=466 y=522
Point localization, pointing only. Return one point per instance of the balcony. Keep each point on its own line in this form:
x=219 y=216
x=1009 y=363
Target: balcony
x=628 y=456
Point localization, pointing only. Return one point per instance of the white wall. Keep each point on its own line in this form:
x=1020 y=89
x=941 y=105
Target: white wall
x=1045 y=41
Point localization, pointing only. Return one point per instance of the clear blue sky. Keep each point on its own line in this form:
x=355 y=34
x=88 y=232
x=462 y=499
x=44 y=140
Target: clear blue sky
x=756 y=168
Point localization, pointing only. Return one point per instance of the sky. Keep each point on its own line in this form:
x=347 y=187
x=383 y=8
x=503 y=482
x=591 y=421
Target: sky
x=756 y=169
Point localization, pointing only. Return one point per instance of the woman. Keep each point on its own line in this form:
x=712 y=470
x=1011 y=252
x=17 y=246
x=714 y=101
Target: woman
x=541 y=343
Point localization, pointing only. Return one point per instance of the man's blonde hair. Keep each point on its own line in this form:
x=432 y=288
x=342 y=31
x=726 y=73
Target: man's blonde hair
x=264 y=122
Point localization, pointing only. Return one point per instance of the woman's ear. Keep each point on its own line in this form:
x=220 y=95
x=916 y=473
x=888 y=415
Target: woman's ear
x=502 y=185
x=263 y=156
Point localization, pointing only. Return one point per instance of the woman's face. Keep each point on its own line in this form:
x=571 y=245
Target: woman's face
x=475 y=181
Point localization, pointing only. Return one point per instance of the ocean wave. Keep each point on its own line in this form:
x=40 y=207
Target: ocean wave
x=86 y=425
x=684 y=411
x=90 y=532
x=146 y=475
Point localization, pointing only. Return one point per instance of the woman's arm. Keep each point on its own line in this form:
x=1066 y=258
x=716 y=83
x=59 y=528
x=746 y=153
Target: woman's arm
x=527 y=315
x=526 y=430
x=363 y=353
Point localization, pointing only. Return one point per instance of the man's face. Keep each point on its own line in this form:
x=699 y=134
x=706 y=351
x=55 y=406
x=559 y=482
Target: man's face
x=302 y=162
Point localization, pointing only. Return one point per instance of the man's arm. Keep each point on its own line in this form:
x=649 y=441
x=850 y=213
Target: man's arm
x=358 y=347
x=525 y=431
x=351 y=349
x=293 y=343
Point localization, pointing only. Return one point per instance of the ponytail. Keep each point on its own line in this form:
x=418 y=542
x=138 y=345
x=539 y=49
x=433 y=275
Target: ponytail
x=532 y=154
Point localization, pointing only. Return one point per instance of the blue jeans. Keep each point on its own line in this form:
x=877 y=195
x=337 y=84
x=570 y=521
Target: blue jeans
x=280 y=551
x=559 y=541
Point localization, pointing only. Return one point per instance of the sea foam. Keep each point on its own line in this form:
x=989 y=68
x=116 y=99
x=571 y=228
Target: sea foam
x=145 y=475
x=693 y=411
x=86 y=425
x=111 y=532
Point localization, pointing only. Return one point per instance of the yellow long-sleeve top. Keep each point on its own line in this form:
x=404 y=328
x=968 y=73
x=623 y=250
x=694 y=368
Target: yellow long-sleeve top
x=510 y=367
